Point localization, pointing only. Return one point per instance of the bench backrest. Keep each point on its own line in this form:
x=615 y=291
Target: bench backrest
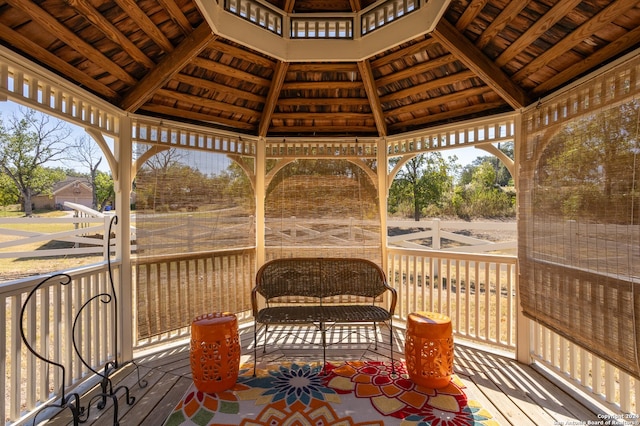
x=320 y=278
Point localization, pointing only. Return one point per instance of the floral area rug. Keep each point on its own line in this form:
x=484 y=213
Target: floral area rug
x=362 y=393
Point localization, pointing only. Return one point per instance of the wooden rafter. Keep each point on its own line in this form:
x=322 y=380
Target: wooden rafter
x=322 y=115
x=111 y=32
x=45 y=20
x=356 y=6
x=222 y=107
x=53 y=61
x=372 y=93
x=476 y=61
x=506 y=15
x=416 y=69
x=177 y=16
x=218 y=88
x=355 y=129
x=230 y=71
x=557 y=12
x=288 y=6
x=320 y=85
x=352 y=102
x=431 y=85
x=442 y=116
x=237 y=52
x=196 y=116
x=402 y=53
x=279 y=75
x=168 y=67
x=597 y=22
x=132 y=9
x=473 y=9
x=440 y=100
x=624 y=43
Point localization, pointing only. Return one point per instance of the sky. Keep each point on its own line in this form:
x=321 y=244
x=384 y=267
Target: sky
x=8 y=109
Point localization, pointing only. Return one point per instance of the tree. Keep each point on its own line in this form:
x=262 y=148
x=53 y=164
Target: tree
x=27 y=143
x=8 y=191
x=423 y=180
x=88 y=153
x=502 y=175
x=103 y=190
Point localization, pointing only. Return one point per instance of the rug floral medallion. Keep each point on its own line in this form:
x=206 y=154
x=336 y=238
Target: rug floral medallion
x=360 y=393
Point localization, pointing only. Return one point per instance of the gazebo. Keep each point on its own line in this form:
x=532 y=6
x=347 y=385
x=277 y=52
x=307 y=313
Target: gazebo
x=300 y=113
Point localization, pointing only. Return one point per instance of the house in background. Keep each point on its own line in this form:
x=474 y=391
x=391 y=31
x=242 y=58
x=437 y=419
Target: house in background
x=73 y=189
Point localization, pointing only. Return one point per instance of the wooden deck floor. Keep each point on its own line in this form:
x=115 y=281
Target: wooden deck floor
x=514 y=393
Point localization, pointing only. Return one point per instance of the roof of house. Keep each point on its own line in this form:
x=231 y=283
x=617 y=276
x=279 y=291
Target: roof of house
x=70 y=182
x=291 y=68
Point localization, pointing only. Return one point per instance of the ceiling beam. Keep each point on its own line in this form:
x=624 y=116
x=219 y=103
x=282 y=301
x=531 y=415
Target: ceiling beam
x=579 y=35
x=177 y=16
x=372 y=93
x=508 y=14
x=92 y=15
x=469 y=15
x=417 y=69
x=18 y=41
x=219 y=106
x=229 y=71
x=168 y=67
x=627 y=41
x=279 y=75
x=475 y=60
x=237 y=52
x=421 y=89
x=542 y=25
x=288 y=6
x=218 y=89
x=170 y=111
x=132 y=10
x=440 y=102
x=59 y=31
x=444 y=116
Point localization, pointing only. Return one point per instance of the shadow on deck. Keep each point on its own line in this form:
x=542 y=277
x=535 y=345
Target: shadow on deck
x=514 y=393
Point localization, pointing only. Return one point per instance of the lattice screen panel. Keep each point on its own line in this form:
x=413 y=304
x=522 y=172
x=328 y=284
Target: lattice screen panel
x=579 y=215
x=322 y=208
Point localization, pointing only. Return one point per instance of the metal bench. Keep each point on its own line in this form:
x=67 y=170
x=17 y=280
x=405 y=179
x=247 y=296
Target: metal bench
x=323 y=292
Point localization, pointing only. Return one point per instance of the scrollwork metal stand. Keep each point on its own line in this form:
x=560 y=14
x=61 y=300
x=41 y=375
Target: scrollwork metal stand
x=108 y=391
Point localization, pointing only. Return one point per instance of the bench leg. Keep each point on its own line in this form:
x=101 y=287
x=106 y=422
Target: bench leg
x=323 y=331
x=255 y=347
x=393 y=364
x=375 y=335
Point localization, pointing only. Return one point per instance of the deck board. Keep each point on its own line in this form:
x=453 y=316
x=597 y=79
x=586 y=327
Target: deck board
x=514 y=393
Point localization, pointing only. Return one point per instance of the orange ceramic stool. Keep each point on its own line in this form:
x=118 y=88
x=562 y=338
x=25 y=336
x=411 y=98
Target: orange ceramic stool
x=428 y=349
x=215 y=352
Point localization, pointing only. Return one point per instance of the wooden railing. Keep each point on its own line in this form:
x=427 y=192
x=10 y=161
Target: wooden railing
x=172 y=290
x=25 y=382
x=478 y=292
x=606 y=383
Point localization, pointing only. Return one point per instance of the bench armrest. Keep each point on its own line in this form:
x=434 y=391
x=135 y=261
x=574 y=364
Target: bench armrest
x=254 y=301
x=394 y=298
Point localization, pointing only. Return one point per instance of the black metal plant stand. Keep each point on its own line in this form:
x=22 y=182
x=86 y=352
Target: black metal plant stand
x=71 y=401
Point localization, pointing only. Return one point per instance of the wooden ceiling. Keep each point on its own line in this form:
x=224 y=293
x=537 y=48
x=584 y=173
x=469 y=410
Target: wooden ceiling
x=161 y=58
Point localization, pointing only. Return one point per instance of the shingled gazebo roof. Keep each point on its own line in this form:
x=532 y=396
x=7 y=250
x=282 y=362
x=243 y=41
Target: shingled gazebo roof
x=298 y=68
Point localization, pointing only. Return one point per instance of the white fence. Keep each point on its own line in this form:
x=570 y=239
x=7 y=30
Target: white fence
x=82 y=234
x=438 y=232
